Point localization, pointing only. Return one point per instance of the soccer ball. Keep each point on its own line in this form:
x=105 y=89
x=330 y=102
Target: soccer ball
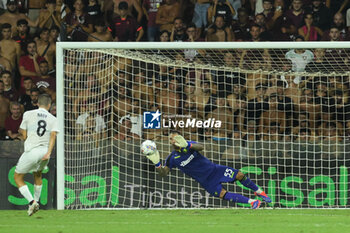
x=148 y=147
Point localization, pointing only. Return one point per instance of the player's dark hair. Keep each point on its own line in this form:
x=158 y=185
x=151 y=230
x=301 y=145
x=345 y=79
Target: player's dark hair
x=44 y=100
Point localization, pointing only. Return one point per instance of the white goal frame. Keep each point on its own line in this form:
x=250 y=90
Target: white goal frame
x=60 y=46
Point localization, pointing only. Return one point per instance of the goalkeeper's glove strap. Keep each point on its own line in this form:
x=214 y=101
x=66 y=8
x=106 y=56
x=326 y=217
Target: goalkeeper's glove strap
x=158 y=165
x=184 y=150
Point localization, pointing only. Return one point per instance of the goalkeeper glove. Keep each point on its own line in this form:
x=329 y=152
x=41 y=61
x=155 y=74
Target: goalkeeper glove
x=182 y=143
x=154 y=157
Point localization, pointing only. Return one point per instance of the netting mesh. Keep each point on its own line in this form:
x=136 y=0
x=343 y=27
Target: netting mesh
x=284 y=122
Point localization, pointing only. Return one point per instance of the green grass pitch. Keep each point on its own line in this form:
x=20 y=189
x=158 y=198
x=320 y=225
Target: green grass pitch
x=177 y=221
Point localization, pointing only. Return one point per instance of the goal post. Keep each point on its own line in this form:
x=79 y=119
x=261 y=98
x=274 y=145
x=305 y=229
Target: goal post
x=276 y=112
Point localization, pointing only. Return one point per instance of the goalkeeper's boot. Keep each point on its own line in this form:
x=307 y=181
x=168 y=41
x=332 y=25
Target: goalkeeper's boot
x=255 y=204
x=263 y=196
x=33 y=208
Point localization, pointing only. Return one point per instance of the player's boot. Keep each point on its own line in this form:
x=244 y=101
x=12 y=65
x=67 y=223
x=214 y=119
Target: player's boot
x=36 y=207
x=33 y=208
x=263 y=196
x=255 y=204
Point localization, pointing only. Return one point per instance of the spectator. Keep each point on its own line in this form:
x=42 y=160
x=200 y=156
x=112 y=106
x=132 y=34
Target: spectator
x=250 y=134
x=125 y=27
x=54 y=33
x=218 y=31
x=272 y=132
x=178 y=31
x=192 y=35
x=9 y=90
x=125 y=131
x=90 y=122
x=141 y=91
x=281 y=27
x=268 y=10
x=224 y=114
x=223 y=8
x=29 y=64
x=12 y=16
x=49 y=17
x=28 y=85
x=255 y=31
x=4 y=110
x=136 y=119
x=303 y=123
x=299 y=57
x=239 y=113
x=150 y=7
x=320 y=63
x=62 y=9
x=273 y=114
x=79 y=24
x=133 y=6
x=46 y=83
x=34 y=94
x=241 y=27
x=4 y=63
x=53 y=109
x=23 y=36
x=167 y=14
x=334 y=34
x=170 y=99
x=94 y=10
x=296 y=14
x=260 y=20
x=9 y=48
x=101 y=33
x=46 y=49
x=200 y=15
x=13 y=121
x=256 y=106
x=309 y=31
x=164 y=36
x=122 y=104
x=321 y=14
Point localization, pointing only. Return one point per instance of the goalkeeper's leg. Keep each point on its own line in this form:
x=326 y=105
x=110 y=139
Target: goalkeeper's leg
x=246 y=182
x=234 y=197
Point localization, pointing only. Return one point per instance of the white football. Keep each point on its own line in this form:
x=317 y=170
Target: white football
x=148 y=147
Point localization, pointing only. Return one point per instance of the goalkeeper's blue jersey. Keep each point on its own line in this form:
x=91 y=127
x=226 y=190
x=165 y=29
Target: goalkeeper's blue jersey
x=193 y=164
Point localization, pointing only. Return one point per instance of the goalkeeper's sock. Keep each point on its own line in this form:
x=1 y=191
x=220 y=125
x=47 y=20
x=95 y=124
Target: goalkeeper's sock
x=246 y=182
x=25 y=193
x=37 y=192
x=235 y=198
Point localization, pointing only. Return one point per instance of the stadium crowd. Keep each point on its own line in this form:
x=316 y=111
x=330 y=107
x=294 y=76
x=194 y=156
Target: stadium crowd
x=252 y=106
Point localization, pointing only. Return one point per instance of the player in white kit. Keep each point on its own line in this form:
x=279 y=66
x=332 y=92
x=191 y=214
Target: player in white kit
x=38 y=129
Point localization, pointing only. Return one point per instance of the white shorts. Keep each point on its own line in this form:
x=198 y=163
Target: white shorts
x=30 y=161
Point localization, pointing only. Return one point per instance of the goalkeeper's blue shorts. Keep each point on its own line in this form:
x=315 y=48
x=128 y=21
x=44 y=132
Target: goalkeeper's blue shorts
x=221 y=174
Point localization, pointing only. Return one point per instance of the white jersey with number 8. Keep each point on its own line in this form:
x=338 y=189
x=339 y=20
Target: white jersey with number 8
x=39 y=124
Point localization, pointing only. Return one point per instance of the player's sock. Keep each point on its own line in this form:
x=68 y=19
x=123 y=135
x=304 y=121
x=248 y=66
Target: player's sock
x=235 y=198
x=37 y=192
x=25 y=193
x=249 y=184
x=259 y=191
x=251 y=200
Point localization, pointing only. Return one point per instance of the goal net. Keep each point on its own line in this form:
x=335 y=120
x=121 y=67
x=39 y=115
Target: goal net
x=279 y=112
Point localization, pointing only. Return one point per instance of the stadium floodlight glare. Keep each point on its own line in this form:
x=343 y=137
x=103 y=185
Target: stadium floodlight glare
x=110 y=94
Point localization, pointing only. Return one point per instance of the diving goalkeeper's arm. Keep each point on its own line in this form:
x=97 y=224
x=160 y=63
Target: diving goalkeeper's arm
x=155 y=158
x=182 y=145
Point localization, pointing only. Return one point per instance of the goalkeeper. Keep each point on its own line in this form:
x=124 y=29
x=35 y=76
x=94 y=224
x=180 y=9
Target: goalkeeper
x=187 y=157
